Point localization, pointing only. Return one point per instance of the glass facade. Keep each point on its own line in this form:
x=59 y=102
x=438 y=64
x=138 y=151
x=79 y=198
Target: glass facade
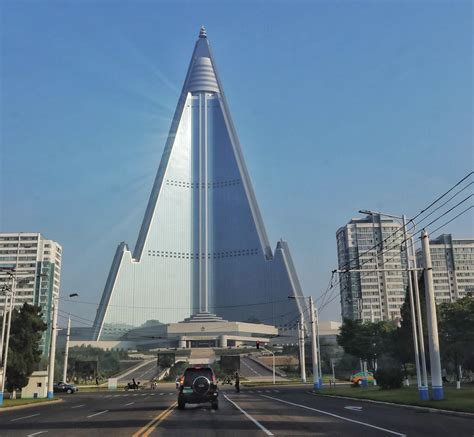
x=202 y=246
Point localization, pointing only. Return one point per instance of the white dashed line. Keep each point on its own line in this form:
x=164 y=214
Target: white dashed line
x=161 y=394
x=78 y=406
x=96 y=414
x=36 y=433
x=335 y=415
x=265 y=430
x=25 y=417
x=130 y=403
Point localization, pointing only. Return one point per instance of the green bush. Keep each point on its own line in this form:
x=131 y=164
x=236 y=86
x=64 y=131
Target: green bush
x=390 y=378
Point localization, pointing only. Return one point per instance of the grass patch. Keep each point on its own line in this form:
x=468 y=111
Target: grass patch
x=455 y=400
x=16 y=402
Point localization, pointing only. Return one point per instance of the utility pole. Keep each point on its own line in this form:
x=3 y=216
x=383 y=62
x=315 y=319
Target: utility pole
x=66 y=351
x=422 y=390
x=7 y=342
x=301 y=332
x=52 y=349
x=320 y=373
x=314 y=347
x=435 y=359
x=4 y=321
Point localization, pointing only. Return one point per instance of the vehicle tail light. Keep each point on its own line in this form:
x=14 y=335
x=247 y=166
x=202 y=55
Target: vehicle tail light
x=214 y=379
x=181 y=380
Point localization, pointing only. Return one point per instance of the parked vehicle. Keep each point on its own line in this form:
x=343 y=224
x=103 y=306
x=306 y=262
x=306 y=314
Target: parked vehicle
x=198 y=385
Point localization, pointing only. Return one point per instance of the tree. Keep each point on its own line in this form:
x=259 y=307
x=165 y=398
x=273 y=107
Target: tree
x=456 y=331
x=402 y=347
x=24 y=353
x=366 y=340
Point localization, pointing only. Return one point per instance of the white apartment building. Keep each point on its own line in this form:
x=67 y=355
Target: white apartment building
x=453 y=267
x=37 y=263
x=371 y=243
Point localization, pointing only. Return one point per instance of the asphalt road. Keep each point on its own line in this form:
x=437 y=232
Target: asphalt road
x=283 y=410
x=145 y=372
x=250 y=369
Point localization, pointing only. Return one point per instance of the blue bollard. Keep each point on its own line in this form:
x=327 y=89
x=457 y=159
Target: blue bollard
x=423 y=394
x=50 y=395
x=438 y=393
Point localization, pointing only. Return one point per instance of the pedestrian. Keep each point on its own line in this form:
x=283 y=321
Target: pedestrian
x=96 y=380
x=237 y=382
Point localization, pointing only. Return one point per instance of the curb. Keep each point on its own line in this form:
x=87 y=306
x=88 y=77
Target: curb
x=413 y=407
x=33 y=404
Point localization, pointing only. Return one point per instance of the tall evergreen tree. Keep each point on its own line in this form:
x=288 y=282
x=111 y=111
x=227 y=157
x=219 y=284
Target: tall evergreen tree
x=24 y=353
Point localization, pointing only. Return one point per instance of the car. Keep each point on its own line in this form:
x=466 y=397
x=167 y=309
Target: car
x=198 y=385
x=357 y=378
x=62 y=387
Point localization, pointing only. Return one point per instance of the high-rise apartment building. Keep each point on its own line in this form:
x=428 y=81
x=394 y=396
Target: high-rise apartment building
x=371 y=243
x=202 y=250
x=37 y=264
x=453 y=267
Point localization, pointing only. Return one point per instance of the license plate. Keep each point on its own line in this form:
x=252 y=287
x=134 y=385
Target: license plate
x=187 y=390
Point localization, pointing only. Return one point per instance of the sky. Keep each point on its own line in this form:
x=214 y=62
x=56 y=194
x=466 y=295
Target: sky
x=339 y=106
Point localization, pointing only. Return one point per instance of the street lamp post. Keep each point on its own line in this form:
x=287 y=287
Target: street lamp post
x=66 y=350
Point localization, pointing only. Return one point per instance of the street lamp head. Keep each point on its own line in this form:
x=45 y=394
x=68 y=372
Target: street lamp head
x=365 y=211
x=73 y=295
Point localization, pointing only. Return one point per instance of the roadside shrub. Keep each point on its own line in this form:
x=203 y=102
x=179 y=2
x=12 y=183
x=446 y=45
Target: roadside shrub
x=390 y=378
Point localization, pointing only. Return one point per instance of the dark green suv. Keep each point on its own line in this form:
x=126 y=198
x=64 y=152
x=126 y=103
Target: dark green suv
x=198 y=385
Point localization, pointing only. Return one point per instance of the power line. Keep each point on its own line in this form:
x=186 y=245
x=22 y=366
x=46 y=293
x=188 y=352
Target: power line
x=338 y=282
x=454 y=218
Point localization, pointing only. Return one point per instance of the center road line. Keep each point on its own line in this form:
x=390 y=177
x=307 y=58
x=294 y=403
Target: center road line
x=248 y=416
x=335 y=415
x=151 y=426
x=36 y=433
x=130 y=403
x=78 y=406
x=96 y=414
x=25 y=417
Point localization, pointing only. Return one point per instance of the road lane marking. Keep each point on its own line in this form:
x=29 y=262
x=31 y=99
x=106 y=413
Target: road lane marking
x=78 y=406
x=36 y=433
x=352 y=407
x=96 y=414
x=335 y=415
x=151 y=426
x=161 y=394
x=248 y=416
x=130 y=403
x=24 y=417
x=276 y=391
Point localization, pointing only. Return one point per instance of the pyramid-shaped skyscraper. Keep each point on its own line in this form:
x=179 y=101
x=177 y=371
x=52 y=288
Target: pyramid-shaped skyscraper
x=202 y=247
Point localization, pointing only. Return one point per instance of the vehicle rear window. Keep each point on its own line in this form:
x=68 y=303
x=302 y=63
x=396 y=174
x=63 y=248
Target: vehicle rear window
x=191 y=374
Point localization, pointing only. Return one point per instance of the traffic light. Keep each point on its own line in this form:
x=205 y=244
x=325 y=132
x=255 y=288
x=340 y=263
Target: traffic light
x=258 y=345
